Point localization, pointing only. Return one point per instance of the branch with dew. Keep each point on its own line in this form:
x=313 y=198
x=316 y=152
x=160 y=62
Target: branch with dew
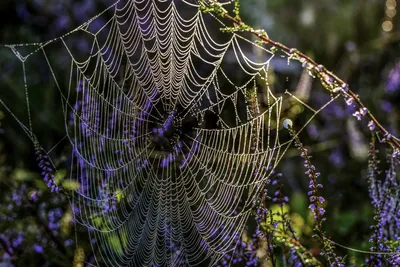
x=328 y=79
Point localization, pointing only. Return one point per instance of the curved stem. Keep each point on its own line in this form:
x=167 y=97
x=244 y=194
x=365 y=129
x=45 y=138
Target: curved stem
x=259 y=34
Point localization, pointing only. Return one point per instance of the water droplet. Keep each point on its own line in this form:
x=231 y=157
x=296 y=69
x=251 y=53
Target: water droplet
x=287 y=123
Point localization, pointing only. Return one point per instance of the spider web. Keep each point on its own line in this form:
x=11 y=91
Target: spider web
x=170 y=144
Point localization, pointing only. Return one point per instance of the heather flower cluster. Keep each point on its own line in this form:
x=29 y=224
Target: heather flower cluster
x=384 y=190
x=46 y=167
x=360 y=113
x=31 y=226
x=316 y=201
x=275 y=229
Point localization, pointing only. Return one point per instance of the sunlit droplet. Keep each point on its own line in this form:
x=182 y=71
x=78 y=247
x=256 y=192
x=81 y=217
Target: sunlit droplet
x=287 y=123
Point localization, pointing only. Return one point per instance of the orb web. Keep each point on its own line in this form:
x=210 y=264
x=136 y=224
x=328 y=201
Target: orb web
x=169 y=143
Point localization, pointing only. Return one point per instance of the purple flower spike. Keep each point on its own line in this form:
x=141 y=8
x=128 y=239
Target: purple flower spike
x=46 y=172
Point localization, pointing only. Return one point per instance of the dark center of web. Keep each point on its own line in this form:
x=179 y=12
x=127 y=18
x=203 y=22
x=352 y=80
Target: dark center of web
x=165 y=136
x=174 y=140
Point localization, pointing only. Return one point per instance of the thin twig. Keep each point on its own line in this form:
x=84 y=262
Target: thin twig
x=238 y=22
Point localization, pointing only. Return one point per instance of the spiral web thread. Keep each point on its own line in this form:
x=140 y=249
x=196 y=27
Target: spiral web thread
x=169 y=144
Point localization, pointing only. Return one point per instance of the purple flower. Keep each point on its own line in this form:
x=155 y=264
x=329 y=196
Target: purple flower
x=393 y=81
x=349 y=101
x=363 y=111
x=18 y=241
x=321 y=211
x=371 y=126
x=38 y=249
x=396 y=259
x=357 y=115
x=386 y=137
x=386 y=106
x=336 y=158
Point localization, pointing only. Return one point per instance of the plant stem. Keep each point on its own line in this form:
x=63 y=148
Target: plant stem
x=307 y=59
